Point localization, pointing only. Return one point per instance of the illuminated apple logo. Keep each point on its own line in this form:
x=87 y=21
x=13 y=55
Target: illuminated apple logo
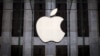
x=49 y=28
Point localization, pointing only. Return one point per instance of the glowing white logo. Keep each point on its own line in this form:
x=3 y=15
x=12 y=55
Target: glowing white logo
x=49 y=28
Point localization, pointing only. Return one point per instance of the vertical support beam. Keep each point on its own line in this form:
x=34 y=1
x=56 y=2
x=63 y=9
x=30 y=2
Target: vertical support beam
x=53 y=4
x=6 y=29
x=93 y=30
x=32 y=44
x=72 y=28
x=68 y=27
x=0 y=50
x=50 y=5
x=50 y=49
x=27 y=46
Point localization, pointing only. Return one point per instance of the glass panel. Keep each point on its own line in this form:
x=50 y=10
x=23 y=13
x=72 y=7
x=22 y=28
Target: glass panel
x=1 y=14
x=83 y=50
x=16 y=50
x=61 y=50
x=99 y=16
x=39 y=11
x=62 y=12
x=82 y=18
x=17 y=22
x=39 y=50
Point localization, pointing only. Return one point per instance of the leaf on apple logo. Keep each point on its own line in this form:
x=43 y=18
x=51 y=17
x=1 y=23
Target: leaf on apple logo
x=53 y=12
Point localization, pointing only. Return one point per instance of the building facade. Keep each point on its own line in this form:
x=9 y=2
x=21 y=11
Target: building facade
x=18 y=36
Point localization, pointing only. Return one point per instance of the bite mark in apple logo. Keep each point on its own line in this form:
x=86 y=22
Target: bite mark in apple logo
x=49 y=28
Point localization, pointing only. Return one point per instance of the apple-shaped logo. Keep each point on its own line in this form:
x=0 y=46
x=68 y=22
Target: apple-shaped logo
x=49 y=28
